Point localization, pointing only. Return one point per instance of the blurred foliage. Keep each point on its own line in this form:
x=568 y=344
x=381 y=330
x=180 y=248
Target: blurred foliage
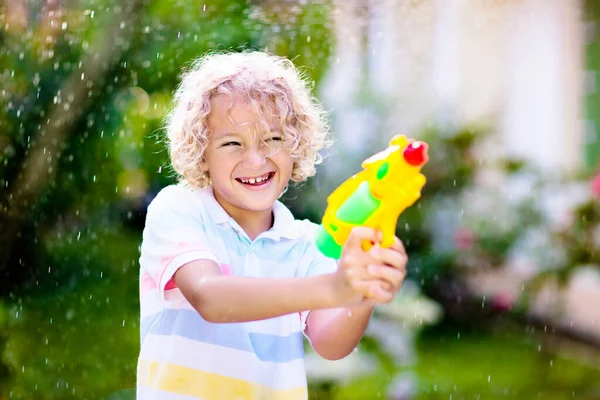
x=85 y=85
x=110 y=152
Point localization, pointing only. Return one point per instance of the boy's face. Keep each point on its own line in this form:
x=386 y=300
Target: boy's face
x=248 y=166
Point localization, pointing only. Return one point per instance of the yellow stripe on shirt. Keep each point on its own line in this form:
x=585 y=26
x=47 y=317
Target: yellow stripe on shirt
x=208 y=386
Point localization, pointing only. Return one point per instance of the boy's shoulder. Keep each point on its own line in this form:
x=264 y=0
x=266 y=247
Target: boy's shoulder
x=175 y=193
x=177 y=197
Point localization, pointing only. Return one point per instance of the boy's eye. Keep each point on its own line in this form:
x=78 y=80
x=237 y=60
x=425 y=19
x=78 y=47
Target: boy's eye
x=275 y=138
x=230 y=144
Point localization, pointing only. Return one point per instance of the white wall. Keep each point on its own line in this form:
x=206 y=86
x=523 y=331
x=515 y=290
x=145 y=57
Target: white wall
x=542 y=116
x=516 y=65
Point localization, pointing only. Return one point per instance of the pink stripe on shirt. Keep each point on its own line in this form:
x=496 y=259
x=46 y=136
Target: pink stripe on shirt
x=166 y=260
x=147 y=283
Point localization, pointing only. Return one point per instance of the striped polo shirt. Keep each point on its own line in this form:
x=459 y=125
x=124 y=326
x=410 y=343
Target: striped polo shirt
x=182 y=355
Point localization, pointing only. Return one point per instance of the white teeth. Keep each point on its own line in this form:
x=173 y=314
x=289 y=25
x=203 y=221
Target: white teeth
x=252 y=181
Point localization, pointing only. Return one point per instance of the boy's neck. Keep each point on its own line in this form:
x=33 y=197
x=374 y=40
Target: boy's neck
x=252 y=222
x=256 y=223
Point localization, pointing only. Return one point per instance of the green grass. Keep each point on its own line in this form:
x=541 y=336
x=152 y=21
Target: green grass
x=479 y=365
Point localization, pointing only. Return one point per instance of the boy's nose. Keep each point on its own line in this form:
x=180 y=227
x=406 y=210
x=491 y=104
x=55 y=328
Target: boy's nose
x=253 y=158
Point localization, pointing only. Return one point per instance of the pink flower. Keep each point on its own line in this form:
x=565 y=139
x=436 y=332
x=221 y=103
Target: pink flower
x=464 y=238
x=596 y=186
x=503 y=301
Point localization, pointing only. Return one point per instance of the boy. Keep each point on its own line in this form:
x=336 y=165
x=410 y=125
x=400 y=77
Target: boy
x=229 y=280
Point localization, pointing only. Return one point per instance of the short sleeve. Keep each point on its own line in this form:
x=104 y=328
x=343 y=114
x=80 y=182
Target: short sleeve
x=174 y=234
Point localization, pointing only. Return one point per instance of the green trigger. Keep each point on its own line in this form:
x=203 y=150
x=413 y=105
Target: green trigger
x=383 y=170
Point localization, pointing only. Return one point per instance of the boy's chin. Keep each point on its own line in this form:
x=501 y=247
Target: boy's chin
x=260 y=202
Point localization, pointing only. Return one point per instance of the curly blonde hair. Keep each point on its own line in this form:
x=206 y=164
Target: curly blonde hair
x=265 y=82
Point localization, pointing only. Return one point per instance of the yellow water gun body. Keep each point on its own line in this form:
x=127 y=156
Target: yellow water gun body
x=390 y=182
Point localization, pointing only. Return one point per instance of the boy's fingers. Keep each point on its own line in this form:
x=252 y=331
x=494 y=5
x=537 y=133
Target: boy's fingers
x=359 y=234
x=393 y=276
x=398 y=245
x=379 y=296
x=392 y=257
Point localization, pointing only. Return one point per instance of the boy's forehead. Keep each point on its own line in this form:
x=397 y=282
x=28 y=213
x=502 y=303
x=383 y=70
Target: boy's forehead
x=233 y=111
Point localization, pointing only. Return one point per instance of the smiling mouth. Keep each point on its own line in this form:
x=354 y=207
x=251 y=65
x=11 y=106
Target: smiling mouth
x=257 y=181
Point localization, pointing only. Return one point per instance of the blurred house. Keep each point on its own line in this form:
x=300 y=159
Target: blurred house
x=518 y=66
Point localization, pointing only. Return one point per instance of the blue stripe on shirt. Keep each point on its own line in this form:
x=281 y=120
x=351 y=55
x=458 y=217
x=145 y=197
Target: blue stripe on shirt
x=189 y=324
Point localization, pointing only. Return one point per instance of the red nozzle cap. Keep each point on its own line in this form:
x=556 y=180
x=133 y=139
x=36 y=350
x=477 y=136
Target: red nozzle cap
x=415 y=153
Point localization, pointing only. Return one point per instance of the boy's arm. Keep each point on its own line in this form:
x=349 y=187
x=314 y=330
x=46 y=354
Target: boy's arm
x=221 y=298
x=334 y=333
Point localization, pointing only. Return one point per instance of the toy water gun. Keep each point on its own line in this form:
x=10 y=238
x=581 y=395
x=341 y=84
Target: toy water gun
x=390 y=182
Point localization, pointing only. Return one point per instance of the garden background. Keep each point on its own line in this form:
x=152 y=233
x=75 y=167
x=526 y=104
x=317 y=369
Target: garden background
x=502 y=299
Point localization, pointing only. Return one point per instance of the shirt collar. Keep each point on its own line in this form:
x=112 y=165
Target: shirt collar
x=284 y=225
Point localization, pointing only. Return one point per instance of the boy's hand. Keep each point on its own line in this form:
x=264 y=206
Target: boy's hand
x=391 y=271
x=375 y=275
